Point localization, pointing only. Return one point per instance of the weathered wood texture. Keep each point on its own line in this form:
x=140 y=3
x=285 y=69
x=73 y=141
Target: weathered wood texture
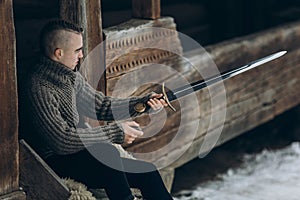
x=37 y=179
x=252 y=98
x=18 y=195
x=135 y=44
x=94 y=40
x=9 y=165
x=74 y=11
x=88 y=15
x=147 y=9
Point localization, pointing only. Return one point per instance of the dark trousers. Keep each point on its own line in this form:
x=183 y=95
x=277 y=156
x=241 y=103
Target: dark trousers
x=85 y=168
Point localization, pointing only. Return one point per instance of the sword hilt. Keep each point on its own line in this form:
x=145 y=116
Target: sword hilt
x=141 y=107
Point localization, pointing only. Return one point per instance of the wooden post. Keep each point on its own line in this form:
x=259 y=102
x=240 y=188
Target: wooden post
x=74 y=11
x=147 y=9
x=95 y=37
x=9 y=149
x=88 y=15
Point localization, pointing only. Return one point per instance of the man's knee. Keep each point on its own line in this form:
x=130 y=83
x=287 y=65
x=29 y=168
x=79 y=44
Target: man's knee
x=104 y=149
x=138 y=166
x=106 y=154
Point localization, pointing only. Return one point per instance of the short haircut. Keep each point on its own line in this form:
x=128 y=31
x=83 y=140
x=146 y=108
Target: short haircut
x=49 y=35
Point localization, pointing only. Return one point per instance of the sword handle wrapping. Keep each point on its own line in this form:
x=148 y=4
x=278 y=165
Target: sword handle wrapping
x=141 y=107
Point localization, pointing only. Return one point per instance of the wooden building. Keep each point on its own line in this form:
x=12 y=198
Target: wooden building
x=233 y=32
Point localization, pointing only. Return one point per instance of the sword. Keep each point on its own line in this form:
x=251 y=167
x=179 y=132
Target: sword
x=182 y=91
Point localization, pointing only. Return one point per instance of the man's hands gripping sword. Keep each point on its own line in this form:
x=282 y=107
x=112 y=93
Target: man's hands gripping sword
x=132 y=129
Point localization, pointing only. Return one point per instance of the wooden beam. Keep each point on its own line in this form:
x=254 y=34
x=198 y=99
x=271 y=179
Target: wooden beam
x=94 y=23
x=74 y=11
x=37 y=179
x=147 y=9
x=94 y=40
x=9 y=165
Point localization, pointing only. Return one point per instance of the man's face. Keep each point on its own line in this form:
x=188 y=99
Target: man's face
x=72 y=52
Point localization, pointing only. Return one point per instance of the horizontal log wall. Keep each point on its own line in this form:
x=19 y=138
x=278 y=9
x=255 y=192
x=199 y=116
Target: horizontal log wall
x=253 y=98
x=259 y=95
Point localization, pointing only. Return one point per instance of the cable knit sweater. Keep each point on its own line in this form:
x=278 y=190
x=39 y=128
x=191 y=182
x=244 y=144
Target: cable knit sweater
x=56 y=95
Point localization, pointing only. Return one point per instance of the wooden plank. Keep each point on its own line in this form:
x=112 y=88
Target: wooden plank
x=18 y=195
x=9 y=165
x=37 y=179
x=94 y=23
x=146 y=9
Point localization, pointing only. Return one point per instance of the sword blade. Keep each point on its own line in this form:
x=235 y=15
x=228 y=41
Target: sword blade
x=198 y=85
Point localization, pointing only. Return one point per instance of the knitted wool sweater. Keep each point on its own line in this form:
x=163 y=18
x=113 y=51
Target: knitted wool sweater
x=57 y=96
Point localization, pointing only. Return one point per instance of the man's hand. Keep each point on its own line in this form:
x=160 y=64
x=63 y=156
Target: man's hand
x=156 y=103
x=132 y=130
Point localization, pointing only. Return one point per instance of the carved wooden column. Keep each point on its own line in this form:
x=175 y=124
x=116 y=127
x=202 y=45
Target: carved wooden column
x=147 y=9
x=9 y=149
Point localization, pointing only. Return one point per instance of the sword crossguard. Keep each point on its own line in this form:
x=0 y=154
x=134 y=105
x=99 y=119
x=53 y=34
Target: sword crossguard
x=165 y=97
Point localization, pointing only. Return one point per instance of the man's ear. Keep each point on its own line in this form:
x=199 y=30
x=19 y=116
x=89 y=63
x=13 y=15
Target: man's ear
x=58 y=53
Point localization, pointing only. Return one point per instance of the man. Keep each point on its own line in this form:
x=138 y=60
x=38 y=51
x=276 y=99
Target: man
x=56 y=93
